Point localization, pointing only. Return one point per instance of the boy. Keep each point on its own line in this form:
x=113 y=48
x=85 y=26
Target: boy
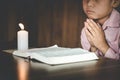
x=101 y=33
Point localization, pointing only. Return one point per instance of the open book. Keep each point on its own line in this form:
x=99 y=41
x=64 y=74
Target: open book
x=57 y=55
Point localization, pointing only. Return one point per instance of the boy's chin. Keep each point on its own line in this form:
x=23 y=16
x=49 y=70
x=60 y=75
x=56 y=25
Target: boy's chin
x=92 y=18
x=95 y=19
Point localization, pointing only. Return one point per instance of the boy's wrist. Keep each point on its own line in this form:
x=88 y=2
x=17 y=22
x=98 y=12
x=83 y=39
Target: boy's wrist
x=104 y=49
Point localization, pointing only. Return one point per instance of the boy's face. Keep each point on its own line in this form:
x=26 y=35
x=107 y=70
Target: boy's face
x=97 y=9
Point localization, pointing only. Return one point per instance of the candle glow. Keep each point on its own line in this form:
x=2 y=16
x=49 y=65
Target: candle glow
x=21 y=26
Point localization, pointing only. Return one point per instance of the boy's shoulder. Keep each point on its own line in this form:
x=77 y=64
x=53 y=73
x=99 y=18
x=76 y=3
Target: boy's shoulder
x=113 y=20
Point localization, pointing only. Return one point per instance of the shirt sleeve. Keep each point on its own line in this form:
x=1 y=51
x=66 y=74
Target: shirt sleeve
x=114 y=51
x=84 y=42
x=112 y=54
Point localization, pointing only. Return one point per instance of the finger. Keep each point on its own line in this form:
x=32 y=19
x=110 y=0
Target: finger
x=93 y=25
x=89 y=28
x=99 y=26
x=88 y=34
x=90 y=24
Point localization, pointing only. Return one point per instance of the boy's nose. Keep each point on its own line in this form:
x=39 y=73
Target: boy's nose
x=90 y=3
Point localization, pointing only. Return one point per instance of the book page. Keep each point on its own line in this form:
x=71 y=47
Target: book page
x=59 y=52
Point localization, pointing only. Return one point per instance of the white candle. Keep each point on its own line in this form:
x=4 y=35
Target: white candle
x=22 y=38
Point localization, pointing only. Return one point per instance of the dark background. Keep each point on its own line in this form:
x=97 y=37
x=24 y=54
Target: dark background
x=49 y=22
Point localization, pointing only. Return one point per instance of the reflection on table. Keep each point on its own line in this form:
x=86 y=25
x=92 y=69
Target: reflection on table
x=16 y=68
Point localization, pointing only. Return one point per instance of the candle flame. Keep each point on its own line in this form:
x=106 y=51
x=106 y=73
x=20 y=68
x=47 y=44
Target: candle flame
x=21 y=26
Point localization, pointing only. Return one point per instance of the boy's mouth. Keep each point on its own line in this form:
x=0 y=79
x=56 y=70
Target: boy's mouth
x=89 y=11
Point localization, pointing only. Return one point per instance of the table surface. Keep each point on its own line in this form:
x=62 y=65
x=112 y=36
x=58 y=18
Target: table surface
x=16 y=68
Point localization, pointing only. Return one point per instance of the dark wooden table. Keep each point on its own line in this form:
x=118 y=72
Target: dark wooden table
x=16 y=68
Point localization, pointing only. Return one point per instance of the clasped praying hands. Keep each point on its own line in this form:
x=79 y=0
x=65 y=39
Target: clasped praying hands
x=95 y=36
